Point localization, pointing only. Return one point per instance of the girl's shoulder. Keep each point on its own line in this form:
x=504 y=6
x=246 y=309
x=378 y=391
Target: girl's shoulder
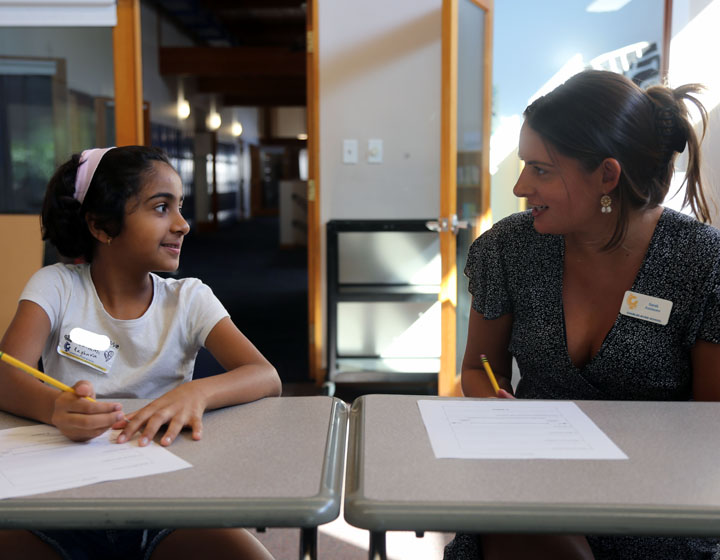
x=61 y=273
x=192 y=298
x=52 y=287
x=180 y=287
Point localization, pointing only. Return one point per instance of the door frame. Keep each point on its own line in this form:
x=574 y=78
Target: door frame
x=448 y=378
x=314 y=237
x=127 y=58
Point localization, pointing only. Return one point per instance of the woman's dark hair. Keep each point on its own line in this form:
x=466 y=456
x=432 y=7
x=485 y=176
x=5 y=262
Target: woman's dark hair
x=118 y=177
x=598 y=114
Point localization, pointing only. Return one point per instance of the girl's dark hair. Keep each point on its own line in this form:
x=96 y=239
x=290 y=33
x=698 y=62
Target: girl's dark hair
x=598 y=114
x=118 y=177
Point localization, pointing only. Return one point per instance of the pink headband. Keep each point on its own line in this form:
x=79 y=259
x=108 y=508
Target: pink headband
x=89 y=161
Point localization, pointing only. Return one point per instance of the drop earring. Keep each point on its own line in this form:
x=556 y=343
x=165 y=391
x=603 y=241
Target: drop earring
x=110 y=238
x=605 y=204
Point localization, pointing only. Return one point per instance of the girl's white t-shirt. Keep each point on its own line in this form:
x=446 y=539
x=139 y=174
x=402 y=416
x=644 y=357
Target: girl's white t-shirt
x=147 y=356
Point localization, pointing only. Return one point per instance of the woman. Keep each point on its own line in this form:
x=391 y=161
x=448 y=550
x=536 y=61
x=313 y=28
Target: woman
x=597 y=290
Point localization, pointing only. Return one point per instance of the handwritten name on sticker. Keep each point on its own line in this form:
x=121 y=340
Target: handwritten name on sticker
x=91 y=349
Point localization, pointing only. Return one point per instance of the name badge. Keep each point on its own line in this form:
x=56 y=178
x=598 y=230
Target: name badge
x=646 y=308
x=96 y=351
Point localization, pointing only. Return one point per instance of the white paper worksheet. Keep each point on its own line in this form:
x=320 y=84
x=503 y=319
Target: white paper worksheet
x=513 y=429
x=35 y=459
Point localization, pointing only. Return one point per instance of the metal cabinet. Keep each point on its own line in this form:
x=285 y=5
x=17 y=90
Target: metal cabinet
x=383 y=280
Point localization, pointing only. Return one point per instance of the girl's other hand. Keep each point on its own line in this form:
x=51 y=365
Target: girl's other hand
x=183 y=406
x=80 y=419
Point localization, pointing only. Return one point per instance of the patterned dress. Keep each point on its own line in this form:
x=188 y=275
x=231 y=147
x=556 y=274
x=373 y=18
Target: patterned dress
x=514 y=269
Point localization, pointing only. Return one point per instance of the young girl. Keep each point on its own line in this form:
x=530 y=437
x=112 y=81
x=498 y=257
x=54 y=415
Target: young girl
x=120 y=210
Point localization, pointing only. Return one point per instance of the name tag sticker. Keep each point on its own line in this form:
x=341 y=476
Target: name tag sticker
x=85 y=347
x=89 y=339
x=646 y=308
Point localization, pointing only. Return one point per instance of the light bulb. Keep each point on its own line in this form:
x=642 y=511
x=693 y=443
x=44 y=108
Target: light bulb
x=183 y=109
x=213 y=121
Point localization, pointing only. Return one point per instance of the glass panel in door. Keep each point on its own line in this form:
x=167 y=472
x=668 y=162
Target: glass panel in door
x=472 y=208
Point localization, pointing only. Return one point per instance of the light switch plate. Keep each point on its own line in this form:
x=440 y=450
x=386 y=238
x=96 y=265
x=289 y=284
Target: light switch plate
x=375 y=150
x=350 y=151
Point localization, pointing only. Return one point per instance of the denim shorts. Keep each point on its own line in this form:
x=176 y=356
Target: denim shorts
x=125 y=544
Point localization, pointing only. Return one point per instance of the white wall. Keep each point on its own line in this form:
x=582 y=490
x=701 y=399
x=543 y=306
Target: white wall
x=379 y=78
x=695 y=43
x=379 y=69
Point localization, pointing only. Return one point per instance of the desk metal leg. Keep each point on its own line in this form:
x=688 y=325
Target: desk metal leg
x=377 y=546
x=308 y=543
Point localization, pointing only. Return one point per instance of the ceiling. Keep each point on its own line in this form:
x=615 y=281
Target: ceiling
x=247 y=53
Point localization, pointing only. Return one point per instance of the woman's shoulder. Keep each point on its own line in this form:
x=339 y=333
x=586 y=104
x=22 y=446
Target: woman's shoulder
x=520 y=223
x=515 y=232
x=688 y=234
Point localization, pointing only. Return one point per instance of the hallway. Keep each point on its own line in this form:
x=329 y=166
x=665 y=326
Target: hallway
x=263 y=287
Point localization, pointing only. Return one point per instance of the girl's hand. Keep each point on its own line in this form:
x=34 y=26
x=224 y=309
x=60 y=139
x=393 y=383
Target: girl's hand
x=183 y=406
x=80 y=419
x=503 y=394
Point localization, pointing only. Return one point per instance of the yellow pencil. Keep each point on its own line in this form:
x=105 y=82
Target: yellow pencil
x=490 y=373
x=36 y=373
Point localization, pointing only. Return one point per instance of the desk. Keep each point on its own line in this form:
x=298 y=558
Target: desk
x=670 y=485
x=276 y=462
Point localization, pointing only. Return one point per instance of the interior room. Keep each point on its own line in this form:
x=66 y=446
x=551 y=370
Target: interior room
x=337 y=160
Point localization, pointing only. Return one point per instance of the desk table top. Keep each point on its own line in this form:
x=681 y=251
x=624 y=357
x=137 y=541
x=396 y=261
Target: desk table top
x=670 y=483
x=276 y=462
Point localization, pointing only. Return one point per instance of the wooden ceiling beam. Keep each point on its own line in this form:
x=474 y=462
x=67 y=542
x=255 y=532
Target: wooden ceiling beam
x=253 y=4
x=240 y=28
x=231 y=61
x=263 y=33
x=247 y=19
x=232 y=85
x=265 y=99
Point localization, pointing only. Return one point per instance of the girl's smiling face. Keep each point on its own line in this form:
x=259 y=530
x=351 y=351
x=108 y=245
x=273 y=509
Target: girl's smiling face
x=153 y=228
x=563 y=196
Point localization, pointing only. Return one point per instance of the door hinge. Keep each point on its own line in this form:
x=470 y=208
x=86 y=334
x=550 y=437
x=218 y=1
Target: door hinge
x=311 y=190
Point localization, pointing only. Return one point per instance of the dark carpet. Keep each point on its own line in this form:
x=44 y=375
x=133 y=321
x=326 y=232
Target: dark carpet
x=263 y=287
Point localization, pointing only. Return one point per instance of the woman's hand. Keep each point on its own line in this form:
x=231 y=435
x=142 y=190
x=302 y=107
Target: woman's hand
x=183 y=406
x=80 y=419
x=503 y=394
